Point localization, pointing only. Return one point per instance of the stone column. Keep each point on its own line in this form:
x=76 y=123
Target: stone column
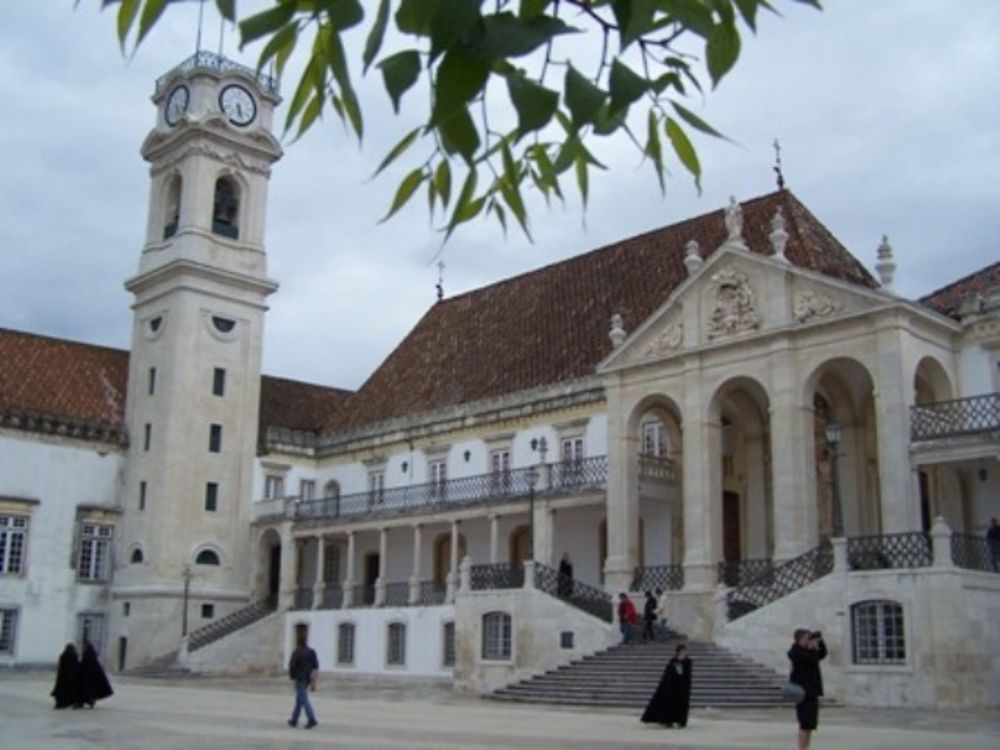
x=320 y=585
x=465 y=575
x=289 y=561
x=544 y=532
x=623 y=495
x=415 y=575
x=755 y=516
x=494 y=538
x=839 y=545
x=381 y=581
x=349 y=572
x=941 y=540
x=453 y=564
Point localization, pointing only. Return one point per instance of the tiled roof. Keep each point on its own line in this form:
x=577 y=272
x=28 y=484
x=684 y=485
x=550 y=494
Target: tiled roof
x=551 y=325
x=948 y=299
x=297 y=405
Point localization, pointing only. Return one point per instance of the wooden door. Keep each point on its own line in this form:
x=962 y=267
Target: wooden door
x=731 y=526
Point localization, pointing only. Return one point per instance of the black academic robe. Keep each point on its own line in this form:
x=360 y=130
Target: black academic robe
x=66 y=691
x=672 y=699
x=805 y=668
x=94 y=683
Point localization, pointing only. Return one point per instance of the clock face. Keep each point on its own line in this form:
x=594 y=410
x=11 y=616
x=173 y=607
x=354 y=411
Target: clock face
x=177 y=104
x=238 y=104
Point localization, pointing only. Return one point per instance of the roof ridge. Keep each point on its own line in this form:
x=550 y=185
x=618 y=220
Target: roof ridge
x=58 y=340
x=968 y=277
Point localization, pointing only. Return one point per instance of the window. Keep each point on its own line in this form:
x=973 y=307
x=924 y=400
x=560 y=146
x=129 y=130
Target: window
x=274 y=487
x=345 y=643
x=225 y=209
x=13 y=537
x=496 y=636
x=396 y=645
x=126 y=609
x=438 y=476
x=877 y=632
x=571 y=451
x=331 y=490
x=211 y=496
x=142 y=495
x=207 y=611
x=207 y=557
x=500 y=470
x=90 y=629
x=223 y=325
x=152 y=381
x=147 y=436
x=376 y=487
x=137 y=556
x=218 y=382
x=654 y=439
x=173 y=213
x=95 y=552
x=307 y=489
x=215 y=438
x=8 y=630
x=448 y=646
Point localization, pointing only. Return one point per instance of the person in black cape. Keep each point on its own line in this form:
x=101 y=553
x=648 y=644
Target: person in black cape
x=94 y=683
x=66 y=691
x=672 y=699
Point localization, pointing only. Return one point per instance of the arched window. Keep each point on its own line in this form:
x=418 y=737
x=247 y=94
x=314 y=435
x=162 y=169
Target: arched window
x=137 y=557
x=496 y=636
x=877 y=632
x=395 y=647
x=331 y=490
x=345 y=643
x=226 y=208
x=207 y=557
x=172 y=215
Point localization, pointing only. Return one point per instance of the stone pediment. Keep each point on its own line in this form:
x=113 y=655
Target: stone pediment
x=738 y=295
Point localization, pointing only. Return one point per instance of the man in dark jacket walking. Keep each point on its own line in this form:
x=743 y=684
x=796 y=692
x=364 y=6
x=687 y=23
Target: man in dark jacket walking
x=806 y=653
x=303 y=668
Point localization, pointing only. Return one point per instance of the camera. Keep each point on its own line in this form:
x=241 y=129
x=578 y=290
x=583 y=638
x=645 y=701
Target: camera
x=816 y=635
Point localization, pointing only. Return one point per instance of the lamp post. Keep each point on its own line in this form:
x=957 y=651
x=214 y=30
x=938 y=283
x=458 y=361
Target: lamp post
x=531 y=476
x=187 y=590
x=833 y=433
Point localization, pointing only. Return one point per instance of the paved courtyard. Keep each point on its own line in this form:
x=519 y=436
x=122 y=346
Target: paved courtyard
x=250 y=714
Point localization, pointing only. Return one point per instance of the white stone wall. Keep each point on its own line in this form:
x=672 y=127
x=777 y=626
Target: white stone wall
x=61 y=474
x=253 y=649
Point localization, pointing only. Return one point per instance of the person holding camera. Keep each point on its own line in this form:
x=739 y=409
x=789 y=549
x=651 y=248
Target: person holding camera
x=807 y=651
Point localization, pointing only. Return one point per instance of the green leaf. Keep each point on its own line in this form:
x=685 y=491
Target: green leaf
x=151 y=11
x=398 y=150
x=405 y=191
x=126 y=17
x=460 y=77
x=582 y=97
x=451 y=22
x=311 y=80
x=582 y=179
x=279 y=46
x=399 y=73
x=264 y=23
x=338 y=65
x=635 y=18
x=227 y=9
x=534 y=103
x=533 y=8
x=374 y=42
x=442 y=180
x=748 y=9
x=684 y=150
x=463 y=206
x=653 y=149
x=608 y=121
x=459 y=135
x=310 y=114
x=696 y=122
x=501 y=215
x=505 y=35
x=414 y=16
x=722 y=50
x=510 y=190
x=344 y=14
x=626 y=86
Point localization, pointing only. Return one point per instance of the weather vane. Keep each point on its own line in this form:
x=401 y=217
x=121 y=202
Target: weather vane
x=777 y=165
x=440 y=284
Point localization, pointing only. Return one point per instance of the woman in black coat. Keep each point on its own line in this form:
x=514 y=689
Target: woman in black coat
x=672 y=699
x=94 y=683
x=807 y=651
x=66 y=691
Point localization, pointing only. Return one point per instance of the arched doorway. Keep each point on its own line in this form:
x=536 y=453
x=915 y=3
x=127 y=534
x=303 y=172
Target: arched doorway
x=269 y=556
x=442 y=556
x=520 y=545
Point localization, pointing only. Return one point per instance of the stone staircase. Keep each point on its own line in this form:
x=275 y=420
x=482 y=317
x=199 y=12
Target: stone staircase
x=232 y=622
x=626 y=676
x=162 y=667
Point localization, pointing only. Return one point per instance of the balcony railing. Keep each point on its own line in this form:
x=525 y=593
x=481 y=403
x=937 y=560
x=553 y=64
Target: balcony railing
x=303 y=598
x=481 y=489
x=658 y=468
x=742 y=572
x=663 y=577
x=784 y=579
x=974 y=415
x=397 y=595
x=333 y=597
x=590 y=599
x=975 y=553
x=212 y=61
x=432 y=592
x=497 y=576
x=911 y=549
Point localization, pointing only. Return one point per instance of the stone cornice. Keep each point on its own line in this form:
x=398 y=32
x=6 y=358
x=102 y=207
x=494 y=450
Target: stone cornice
x=64 y=426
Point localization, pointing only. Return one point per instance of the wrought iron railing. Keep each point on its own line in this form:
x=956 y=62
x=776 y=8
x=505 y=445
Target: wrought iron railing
x=212 y=61
x=590 y=599
x=362 y=595
x=496 y=576
x=975 y=553
x=303 y=598
x=741 y=572
x=911 y=549
x=232 y=622
x=782 y=580
x=333 y=597
x=432 y=592
x=663 y=577
x=397 y=595
x=973 y=415
x=657 y=467
x=481 y=489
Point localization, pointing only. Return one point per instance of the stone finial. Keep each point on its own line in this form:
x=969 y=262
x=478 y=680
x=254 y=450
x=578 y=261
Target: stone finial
x=779 y=237
x=692 y=257
x=734 y=222
x=617 y=332
x=886 y=266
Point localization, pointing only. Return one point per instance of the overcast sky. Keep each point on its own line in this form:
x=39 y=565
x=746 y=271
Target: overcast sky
x=888 y=114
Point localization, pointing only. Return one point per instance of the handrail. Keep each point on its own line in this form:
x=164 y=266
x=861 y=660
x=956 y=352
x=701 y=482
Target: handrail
x=975 y=553
x=910 y=549
x=959 y=417
x=492 y=576
x=242 y=617
x=741 y=572
x=783 y=580
x=663 y=577
x=589 y=599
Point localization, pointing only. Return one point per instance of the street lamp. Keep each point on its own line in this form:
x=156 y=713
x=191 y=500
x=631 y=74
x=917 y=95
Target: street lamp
x=531 y=476
x=833 y=433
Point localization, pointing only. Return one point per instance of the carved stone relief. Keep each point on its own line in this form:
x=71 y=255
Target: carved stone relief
x=735 y=307
x=669 y=338
x=809 y=304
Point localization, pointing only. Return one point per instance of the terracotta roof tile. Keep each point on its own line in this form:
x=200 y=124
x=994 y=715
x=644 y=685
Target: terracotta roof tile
x=948 y=299
x=552 y=324
x=297 y=405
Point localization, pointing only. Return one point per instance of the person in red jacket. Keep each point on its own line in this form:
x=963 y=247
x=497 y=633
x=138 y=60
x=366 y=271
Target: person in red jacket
x=627 y=616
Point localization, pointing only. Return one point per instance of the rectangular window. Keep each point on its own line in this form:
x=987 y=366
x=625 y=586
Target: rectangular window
x=448 y=647
x=500 y=470
x=152 y=380
x=572 y=453
x=13 y=540
x=654 y=439
x=211 y=496
x=215 y=438
x=8 y=630
x=218 y=382
x=396 y=646
x=345 y=643
x=376 y=487
x=878 y=633
x=142 y=495
x=147 y=436
x=126 y=609
x=496 y=636
x=95 y=552
x=438 y=476
x=307 y=489
x=274 y=487
x=207 y=611
x=90 y=629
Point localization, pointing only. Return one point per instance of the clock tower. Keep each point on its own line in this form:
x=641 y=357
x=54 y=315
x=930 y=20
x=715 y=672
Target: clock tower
x=194 y=373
